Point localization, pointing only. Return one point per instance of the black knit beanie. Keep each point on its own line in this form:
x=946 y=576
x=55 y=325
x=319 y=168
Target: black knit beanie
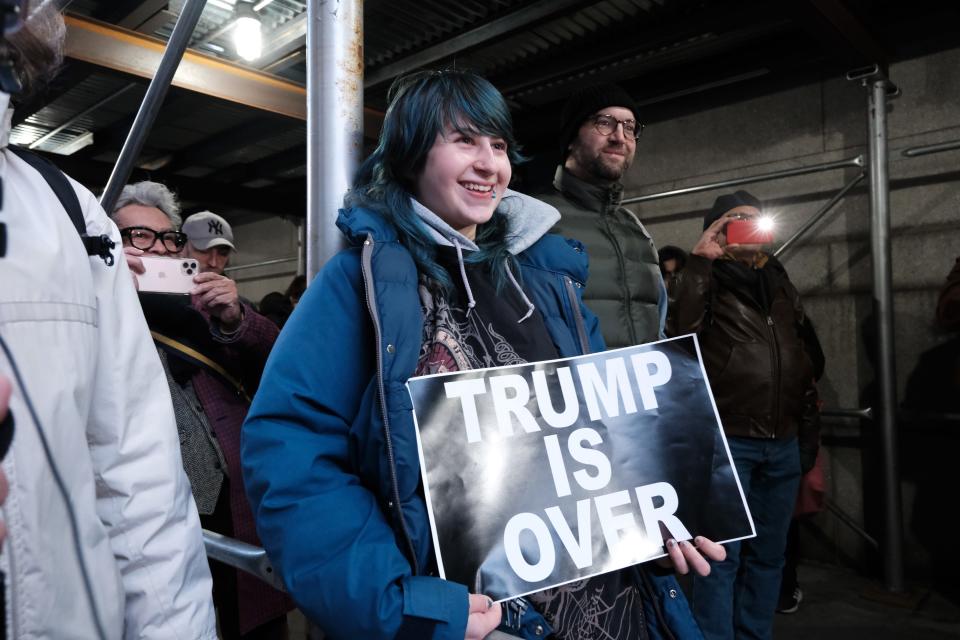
x=728 y=201
x=585 y=103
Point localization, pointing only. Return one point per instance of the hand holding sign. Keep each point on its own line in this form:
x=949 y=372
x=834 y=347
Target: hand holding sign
x=683 y=556
x=483 y=617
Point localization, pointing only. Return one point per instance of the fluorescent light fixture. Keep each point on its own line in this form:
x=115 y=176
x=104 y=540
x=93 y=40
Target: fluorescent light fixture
x=70 y=147
x=247 y=35
x=152 y=164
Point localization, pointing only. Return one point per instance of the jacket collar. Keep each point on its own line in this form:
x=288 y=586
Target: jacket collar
x=528 y=220
x=592 y=196
x=356 y=223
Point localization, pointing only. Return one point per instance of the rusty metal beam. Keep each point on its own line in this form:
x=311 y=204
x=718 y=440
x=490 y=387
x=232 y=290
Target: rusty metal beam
x=137 y=54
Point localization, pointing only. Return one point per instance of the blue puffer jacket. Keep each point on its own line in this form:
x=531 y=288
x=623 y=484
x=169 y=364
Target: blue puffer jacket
x=329 y=452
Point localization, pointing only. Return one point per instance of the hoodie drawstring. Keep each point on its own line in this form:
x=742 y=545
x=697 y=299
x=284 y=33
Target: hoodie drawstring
x=471 y=303
x=516 y=284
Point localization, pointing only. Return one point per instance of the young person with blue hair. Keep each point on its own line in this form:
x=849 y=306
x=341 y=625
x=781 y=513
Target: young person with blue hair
x=446 y=270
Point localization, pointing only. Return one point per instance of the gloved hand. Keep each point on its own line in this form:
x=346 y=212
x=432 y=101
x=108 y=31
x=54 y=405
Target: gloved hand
x=808 y=457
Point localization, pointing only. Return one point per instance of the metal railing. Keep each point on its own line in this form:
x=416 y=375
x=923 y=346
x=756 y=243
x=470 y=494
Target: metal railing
x=848 y=520
x=913 y=152
x=264 y=263
x=866 y=413
x=857 y=161
x=824 y=210
x=243 y=556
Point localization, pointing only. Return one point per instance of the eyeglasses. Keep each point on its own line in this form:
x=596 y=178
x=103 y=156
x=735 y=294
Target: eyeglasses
x=606 y=125
x=144 y=238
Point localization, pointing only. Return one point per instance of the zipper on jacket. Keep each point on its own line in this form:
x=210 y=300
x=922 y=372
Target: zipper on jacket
x=650 y=593
x=577 y=317
x=775 y=365
x=622 y=265
x=366 y=262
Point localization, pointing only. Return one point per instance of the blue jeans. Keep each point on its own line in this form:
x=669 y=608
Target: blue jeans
x=739 y=597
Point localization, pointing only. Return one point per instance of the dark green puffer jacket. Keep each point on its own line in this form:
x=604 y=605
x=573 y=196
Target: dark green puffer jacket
x=626 y=290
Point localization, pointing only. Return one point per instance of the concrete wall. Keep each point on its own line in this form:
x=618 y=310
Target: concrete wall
x=813 y=124
x=259 y=241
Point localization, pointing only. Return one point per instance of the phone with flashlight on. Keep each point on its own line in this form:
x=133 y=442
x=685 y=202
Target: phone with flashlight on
x=757 y=230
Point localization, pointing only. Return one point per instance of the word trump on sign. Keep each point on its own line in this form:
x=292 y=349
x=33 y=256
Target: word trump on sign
x=604 y=395
x=540 y=474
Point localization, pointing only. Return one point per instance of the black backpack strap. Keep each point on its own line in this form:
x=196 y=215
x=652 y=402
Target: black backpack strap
x=100 y=246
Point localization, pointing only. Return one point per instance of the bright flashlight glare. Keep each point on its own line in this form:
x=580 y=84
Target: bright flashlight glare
x=765 y=224
x=247 y=38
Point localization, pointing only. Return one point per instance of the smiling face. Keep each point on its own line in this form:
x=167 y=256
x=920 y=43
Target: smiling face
x=464 y=178
x=595 y=157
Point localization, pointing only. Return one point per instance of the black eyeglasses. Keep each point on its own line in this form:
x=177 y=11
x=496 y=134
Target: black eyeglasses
x=606 y=125
x=144 y=238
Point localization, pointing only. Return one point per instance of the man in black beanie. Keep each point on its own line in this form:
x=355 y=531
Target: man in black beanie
x=598 y=139
x=758 y=349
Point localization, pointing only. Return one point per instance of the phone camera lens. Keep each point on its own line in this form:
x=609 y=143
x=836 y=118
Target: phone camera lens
x=186 y=265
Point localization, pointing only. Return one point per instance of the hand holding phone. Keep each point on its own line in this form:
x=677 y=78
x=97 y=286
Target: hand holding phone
x=749 y=231
x=167 y=275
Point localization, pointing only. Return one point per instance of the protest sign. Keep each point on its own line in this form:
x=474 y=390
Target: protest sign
x=540 y=474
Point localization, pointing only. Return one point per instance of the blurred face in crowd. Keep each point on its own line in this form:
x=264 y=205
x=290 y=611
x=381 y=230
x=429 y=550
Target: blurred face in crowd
x=598 y=157
x=148 y=229
x=464 y=178
x=670 y=266
x=212 y=260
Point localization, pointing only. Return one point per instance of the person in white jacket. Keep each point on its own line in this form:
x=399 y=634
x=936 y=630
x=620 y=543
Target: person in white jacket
x=76 y=347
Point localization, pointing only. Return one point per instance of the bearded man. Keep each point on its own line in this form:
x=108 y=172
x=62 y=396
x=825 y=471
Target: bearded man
x=599 y=138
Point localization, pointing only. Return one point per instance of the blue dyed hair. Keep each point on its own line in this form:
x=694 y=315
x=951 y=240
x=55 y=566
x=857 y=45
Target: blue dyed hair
x=423 y=105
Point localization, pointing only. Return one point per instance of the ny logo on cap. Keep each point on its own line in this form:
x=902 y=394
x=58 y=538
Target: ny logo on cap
x=215 y=227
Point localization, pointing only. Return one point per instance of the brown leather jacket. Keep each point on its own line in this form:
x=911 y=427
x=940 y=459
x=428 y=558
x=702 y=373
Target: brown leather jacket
x=757 y=361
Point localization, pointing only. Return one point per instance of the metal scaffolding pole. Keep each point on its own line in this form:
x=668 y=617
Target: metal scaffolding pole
x=819 y=214
x=913 y=152
x=241 y=555
x=865 y=413
x=262 y=263
x=763 y=177
x=334 y=119
x=152 y=101
x=878 y=89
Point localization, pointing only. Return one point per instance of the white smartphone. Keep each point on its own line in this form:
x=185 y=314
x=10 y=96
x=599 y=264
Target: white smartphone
x=167 y=275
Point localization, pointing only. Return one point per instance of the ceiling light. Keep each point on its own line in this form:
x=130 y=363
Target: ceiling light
x=247 y=36
x=73 y=145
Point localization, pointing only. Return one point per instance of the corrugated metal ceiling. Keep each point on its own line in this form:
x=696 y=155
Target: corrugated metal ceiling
x=535 y=51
